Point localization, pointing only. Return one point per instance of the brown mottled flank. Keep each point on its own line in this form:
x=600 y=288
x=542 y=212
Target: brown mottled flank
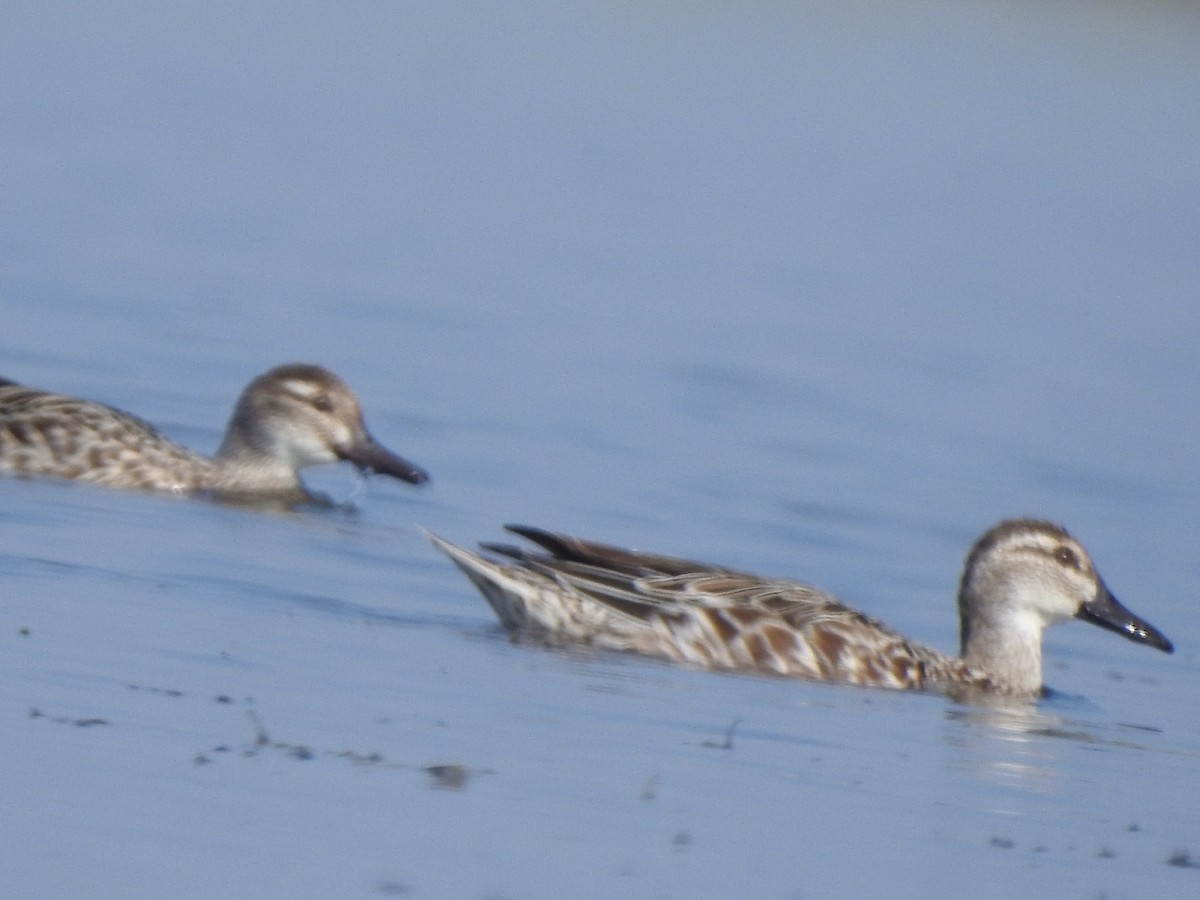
x=723 y=625
x=287 y=419
x=1020 y=577
x=828 y=645
x=781 y=641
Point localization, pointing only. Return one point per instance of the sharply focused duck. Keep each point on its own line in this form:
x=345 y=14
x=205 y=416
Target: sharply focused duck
x=291 y=417
x=1022 y=576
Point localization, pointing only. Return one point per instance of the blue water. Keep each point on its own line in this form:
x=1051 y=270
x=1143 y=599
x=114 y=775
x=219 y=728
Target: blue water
x=818 y=290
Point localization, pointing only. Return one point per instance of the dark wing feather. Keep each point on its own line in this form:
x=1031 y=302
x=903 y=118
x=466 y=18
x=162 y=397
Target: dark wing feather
x=634 y=563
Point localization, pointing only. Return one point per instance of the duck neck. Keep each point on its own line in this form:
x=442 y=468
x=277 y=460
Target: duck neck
x=243 y=465
x=1004 y=644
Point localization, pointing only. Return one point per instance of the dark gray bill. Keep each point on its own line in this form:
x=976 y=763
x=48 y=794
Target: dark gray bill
x=374 y=457
x=1107 y=612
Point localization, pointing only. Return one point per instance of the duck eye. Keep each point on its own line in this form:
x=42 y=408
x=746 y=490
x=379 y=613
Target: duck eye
x=1067 y=557
x=323 y=403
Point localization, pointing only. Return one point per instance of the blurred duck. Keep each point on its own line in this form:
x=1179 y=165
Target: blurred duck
x=289 y=418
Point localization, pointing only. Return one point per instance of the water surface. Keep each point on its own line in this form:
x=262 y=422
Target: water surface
x=818 y=291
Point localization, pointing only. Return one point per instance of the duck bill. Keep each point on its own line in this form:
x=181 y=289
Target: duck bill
x=371 y=456
x=1107 y=612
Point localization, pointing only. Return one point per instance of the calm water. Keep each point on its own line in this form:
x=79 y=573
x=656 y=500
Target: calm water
x=817 y=291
